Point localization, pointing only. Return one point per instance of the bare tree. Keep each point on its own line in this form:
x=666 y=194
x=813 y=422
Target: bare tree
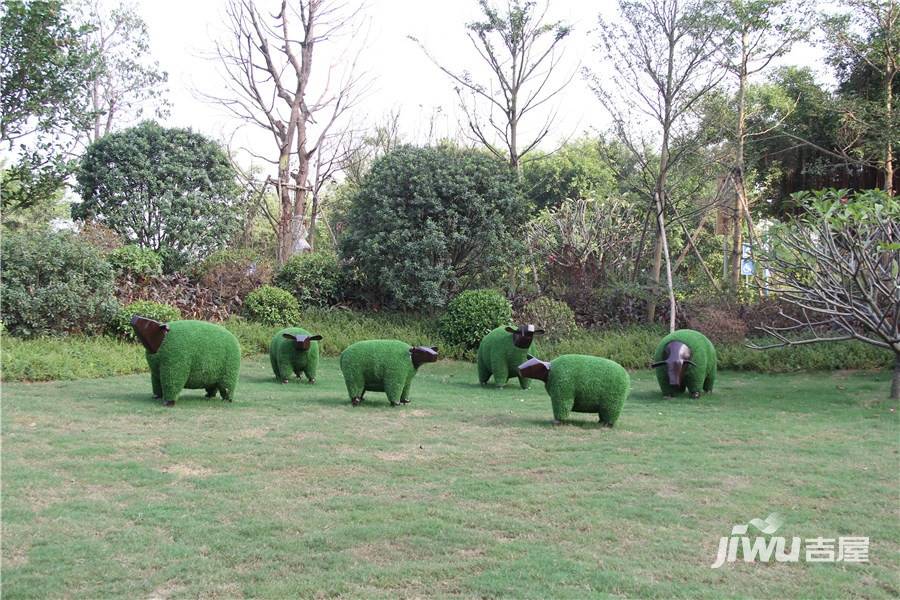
x=662 y=54
x=840 y=265
x=520 y=49
x=267 y=65
x=764 y=30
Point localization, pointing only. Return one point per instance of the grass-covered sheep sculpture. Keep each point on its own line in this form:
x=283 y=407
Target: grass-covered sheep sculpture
x=294 y=349
x=502 y=351
x=189 y=354
x=383 y=366
x=685 y=359
x=580 y=383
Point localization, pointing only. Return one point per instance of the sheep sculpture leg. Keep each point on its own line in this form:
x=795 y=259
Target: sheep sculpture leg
x=500 y=371
x=211 y=391
x=484 y=371
x=154 y=381
x=524 y=382
x=173 y=380
x=394 y=391
x=278 y=368
x=404 y=396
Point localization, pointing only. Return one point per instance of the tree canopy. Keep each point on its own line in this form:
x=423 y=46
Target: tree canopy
x=168 y=189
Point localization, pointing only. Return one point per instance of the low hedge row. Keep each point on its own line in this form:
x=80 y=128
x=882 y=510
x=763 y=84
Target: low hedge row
x=77 y=357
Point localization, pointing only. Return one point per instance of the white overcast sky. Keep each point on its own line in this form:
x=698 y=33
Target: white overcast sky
x=182 y=33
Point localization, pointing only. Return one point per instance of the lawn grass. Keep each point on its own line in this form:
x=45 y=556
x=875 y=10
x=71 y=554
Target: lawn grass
x=290 y=492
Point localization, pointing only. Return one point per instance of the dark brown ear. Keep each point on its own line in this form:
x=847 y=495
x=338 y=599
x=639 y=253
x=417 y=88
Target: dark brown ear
x=164 y=326
x=538 y=332
x=435 y=348
x=510 y=329
x=289 y=336
x=657 y=364
x=315 y=338
x=528 y=356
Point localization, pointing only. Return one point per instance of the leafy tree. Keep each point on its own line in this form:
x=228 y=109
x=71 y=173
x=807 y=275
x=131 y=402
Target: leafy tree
x=869 y=59
x=171 y=190
x=125 y=80
x=576 y=171
x=45 y=67
x=427 y=222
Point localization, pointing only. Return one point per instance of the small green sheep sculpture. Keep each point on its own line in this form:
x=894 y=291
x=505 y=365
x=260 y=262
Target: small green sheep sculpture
x=294 y=349
x=580 y=383
x=189 y=354
x=383 y=366
x=685 y=359
x=502 y=351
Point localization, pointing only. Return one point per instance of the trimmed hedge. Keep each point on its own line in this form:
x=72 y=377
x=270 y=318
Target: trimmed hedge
x=315 y=278
x=272 y=306
x=145 y=308
x=472 y=315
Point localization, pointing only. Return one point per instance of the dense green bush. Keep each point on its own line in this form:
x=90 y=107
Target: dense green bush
x=555 y=317
x=272 y=306
x=428 y=221
x=54 y=283
x=472 y=315
x=186 y=183
x=152 y=310
x=314 y=278
x=136 y=260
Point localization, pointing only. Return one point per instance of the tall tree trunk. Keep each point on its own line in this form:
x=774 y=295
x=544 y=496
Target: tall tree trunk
x=737 y=240
x=889 y=149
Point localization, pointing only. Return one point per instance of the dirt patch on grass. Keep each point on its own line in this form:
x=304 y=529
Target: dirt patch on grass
x=187 y=470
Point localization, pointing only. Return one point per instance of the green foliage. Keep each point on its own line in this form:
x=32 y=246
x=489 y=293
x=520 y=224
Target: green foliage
x=555 y=317
x=195 y=355
x=70 y=357
x=314 y=278
x=144 y=308
x=53 y=283
x=472 y=315
x=698 y=377
x=587 y=384
x=428 y=221
x=186 y=182
x=577 y=171
x=45 y=71
x=271 y=305
x=136 y=260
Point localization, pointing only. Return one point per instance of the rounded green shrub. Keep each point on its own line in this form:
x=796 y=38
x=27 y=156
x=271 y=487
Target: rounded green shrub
x=314 y=278
x=54 y=283
x=472 y=315
x=553 y=316
x=157 y=311
x=134 y=259
x=272 y=306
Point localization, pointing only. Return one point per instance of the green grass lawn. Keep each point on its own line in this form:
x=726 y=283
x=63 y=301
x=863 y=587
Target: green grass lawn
x=290 y=492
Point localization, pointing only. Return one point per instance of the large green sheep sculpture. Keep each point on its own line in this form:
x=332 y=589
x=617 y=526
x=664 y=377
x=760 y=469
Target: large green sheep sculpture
x=189 y=354
x=685 y=359
x=383 y=366
x=580 y=383
x=294 y=349
x=502 y=351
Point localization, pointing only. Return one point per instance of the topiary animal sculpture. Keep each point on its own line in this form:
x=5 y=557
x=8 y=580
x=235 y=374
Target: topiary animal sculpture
x=685 y=359
x=189 y=354
x=502 y=351
x=383 y=366
x=294 y=349
x=581 y=383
